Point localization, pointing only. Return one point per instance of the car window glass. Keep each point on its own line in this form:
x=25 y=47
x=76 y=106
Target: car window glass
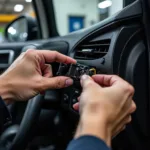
x=9 y=10
x=73 y=15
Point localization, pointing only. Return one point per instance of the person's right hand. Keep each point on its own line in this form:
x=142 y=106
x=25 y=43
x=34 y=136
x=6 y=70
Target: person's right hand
x=105 y=106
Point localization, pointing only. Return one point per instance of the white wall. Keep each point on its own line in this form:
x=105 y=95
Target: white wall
x=117 y=5
x=87 y=8
x=64 y=8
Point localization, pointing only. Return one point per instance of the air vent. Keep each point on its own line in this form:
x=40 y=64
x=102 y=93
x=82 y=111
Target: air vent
x=92 y=50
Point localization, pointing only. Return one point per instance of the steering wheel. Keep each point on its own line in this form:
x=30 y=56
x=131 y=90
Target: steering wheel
x=30 y=118
x=23 y=132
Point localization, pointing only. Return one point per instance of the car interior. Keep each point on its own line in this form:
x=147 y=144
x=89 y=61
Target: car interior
x=118 y=44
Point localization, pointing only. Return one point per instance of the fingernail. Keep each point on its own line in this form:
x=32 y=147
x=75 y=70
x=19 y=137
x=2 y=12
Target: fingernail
x=69 y=82
x=84 y=77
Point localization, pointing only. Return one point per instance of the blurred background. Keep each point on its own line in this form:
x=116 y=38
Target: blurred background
x=11 y=9
x=76 y=14
x=71 y=15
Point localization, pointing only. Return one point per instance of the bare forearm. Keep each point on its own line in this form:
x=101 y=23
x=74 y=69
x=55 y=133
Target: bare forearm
x=4 y=90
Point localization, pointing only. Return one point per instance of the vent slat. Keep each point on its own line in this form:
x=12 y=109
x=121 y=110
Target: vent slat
x=94 y=45
x=92 y=51
x=84 y=58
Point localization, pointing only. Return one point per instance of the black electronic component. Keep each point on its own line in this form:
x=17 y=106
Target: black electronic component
x=75 y=71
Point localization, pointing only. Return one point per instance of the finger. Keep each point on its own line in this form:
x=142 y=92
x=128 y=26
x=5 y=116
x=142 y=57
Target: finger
x=114 y=81
x=119 y=131
x=107 y=80
x=129 y=108
x=87 y=82
x=122 y=125
x=76 y=107
x=47 y=71
x=124 y=122
x=79 y=98
x=132 y=108
x=128 y=119
x=55 y=83
x=54 y=56
x=123 y=128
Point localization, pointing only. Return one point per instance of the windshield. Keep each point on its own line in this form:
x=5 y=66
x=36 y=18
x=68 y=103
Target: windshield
x=73 y=15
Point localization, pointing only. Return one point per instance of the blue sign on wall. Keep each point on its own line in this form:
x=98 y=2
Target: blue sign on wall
x=75 y=23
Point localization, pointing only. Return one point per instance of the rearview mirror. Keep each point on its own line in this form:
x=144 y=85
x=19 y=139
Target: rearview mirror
x=22 y=29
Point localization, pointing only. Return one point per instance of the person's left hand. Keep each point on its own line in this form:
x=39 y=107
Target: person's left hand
x=30 y=75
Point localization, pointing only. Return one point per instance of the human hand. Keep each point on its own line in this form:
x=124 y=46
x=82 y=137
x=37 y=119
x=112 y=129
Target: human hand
x=30 y=75
x=105 y=106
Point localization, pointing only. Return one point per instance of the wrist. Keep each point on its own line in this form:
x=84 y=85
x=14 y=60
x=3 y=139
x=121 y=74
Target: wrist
x=4 y=90
x=96 y=127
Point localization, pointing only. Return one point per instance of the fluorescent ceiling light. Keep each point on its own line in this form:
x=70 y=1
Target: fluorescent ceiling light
x=105 y=4
x=12 y=31
x=28 y=1
x=18 y=8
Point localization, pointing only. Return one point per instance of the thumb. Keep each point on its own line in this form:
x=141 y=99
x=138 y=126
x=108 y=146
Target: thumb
x=87 y=82
x=56 y=82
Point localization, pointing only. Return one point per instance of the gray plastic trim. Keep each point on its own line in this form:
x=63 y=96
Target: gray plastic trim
x=10 y=58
